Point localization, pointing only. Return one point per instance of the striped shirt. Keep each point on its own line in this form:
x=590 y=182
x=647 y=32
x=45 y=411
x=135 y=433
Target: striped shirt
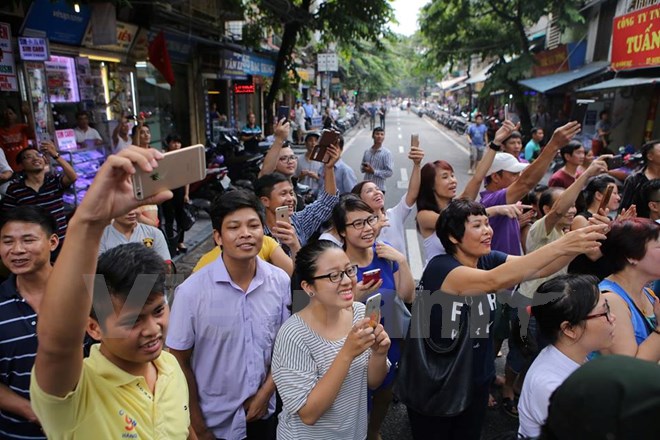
x=49 y=197
x=310 y=219
x=18 y=348
x=300 y=359
x=382 y=163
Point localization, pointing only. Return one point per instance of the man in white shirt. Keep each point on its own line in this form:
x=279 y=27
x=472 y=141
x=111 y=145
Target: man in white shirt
x=84 y=132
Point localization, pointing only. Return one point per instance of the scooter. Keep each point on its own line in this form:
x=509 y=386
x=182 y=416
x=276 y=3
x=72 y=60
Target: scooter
x=215 y=183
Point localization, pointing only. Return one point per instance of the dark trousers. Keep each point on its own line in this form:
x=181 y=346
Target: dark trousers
x=261 y=429
x=173 y=211
x=464 y=426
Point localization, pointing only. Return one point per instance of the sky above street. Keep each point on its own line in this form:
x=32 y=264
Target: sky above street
x=406 y=14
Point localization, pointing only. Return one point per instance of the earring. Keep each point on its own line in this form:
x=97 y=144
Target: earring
x=310 y=294
x=632 y=262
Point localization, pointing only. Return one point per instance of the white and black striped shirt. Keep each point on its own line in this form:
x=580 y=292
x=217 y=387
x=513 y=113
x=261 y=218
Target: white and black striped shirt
x=300 y=359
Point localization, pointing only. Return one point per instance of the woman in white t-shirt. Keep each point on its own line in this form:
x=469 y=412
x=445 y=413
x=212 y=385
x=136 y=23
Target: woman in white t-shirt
x=328 y=354
x=392 y=220
x=575 y=320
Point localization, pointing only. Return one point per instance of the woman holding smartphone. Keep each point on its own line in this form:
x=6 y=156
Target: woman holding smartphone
x=593 y=197
x=357 y=223
x=327 y=355
x=471 y=268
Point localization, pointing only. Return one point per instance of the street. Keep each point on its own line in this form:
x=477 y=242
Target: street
x=438 y=143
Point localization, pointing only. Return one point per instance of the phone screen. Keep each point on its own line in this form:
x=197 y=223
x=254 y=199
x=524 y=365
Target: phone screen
x=283 y=113
x=372 y=310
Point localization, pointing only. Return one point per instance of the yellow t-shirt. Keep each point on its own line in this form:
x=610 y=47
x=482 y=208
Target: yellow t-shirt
x=267 y=248
x=109 y=403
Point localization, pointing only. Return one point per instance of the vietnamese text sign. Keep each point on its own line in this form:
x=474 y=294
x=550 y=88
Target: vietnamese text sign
x=125 y=36
x=551 y=61
x=8 y=79
x=636 y=39
x=33 y=49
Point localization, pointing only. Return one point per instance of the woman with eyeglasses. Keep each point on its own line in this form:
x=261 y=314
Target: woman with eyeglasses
x=357 y=224
x=575 y=320
x=632 y=253
x=391 y=221
x=327 y=355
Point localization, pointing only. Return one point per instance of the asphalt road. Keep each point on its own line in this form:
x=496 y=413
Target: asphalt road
x=438 y=143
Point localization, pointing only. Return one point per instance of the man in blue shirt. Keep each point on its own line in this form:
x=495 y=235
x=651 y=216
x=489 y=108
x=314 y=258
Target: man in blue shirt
x=28 y=235
x=478 y=136
x=309 y=112
x=251 y=134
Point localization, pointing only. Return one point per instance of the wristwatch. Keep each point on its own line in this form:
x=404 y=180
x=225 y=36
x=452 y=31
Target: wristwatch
x=56 y=156
x=494 y=146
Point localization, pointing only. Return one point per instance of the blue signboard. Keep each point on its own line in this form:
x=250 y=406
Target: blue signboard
x=60 y=22
x=256 y=65
x=231 y=65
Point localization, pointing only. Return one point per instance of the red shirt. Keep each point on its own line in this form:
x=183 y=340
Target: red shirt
x=13 y=140
x=562 y=179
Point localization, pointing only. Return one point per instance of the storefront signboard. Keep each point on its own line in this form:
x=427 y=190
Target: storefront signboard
x=58 y=19
x=636 y=39
x=126 y=34
x=243 y=89
x=33 y=49
x=8 y=78
x=258 y=66
x=66 y=139
x=231 y=65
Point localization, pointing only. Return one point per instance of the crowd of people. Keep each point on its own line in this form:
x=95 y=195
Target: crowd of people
x=270 y=336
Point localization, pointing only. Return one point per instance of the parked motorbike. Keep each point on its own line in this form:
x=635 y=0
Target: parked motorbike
x=215 y=183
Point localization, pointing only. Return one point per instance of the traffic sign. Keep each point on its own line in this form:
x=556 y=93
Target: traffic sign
x=327 y=62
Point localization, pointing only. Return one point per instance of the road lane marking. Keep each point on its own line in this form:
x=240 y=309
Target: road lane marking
x=404 y=174
x=349 y=143
x=461 y=147
x=414 y=254
x=401 y=149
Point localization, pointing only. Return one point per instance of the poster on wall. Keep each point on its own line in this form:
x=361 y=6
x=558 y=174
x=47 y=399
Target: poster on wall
x=61 y=79
x=8 y=78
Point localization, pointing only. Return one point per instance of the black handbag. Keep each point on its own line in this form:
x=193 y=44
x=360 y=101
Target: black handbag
x=435 y=377
x=188 y=218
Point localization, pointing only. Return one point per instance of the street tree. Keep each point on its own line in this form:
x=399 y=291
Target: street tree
x=455 y=30
x=339 y=21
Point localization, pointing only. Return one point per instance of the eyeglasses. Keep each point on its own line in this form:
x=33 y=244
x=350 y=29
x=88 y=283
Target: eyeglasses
x=336 y=277
x=291 y=158
x=32 y=156
x=606 y=314
x=359 y=224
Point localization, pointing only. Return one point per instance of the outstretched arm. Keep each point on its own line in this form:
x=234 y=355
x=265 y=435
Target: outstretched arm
x=416 y=155
x=68 y=300
x=270 y=161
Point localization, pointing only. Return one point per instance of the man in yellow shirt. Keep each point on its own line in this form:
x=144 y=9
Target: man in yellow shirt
x=128 y=387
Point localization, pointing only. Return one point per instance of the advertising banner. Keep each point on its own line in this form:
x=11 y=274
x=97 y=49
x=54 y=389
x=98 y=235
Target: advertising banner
x=8 y=79
x=636 y=39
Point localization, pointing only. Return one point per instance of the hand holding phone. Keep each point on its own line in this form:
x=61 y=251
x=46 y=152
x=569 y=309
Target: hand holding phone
x=606 y=198
x=320 y=152
x=614 y=162
x=372 y=310
x=414 y=140
x=282 y=214
x=371 y=275
x=177 y=168
x=283 y=113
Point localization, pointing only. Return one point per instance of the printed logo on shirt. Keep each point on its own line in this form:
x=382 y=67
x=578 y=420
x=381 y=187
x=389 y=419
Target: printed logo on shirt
x=148 y=242
x=129 y=425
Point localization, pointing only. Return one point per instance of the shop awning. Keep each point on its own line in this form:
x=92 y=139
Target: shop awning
x=480 y=76
x=447 y=84
x=619 y=82
x=457 y=87
x=546 y=83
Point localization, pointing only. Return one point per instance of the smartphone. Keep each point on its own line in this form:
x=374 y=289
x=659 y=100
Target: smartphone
x=283 y=113
x=372 y=310
x=176 y=169
x=414 y=140
x=579 y=112
x=606 y=198
x=328 y=137
x=614 y=162
x=371 y=275
x=506 y=112
x=282 y=214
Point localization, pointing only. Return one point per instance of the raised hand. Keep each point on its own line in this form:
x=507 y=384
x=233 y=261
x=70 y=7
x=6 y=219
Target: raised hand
x=564 y=134
x=505 y=131
x=583 y=240
x=416 y=154
x=281 y=130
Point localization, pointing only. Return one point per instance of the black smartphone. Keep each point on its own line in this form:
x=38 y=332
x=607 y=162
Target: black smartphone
x=283 y=113
x=579 y=112
x=614 y=162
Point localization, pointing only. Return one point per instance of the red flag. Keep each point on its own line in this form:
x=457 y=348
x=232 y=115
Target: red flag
x=160 y=58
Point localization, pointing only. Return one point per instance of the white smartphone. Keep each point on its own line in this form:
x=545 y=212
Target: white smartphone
x=506 y=112
x=282 y=214
x=372 y=310
x=176 y=169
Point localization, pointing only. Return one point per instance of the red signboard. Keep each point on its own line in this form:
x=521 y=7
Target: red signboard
x=549 y=62
x=636 y=39
x=243 y=89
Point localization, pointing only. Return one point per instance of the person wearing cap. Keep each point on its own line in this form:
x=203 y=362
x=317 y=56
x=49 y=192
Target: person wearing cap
x=308 y=170
x=478 y=136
